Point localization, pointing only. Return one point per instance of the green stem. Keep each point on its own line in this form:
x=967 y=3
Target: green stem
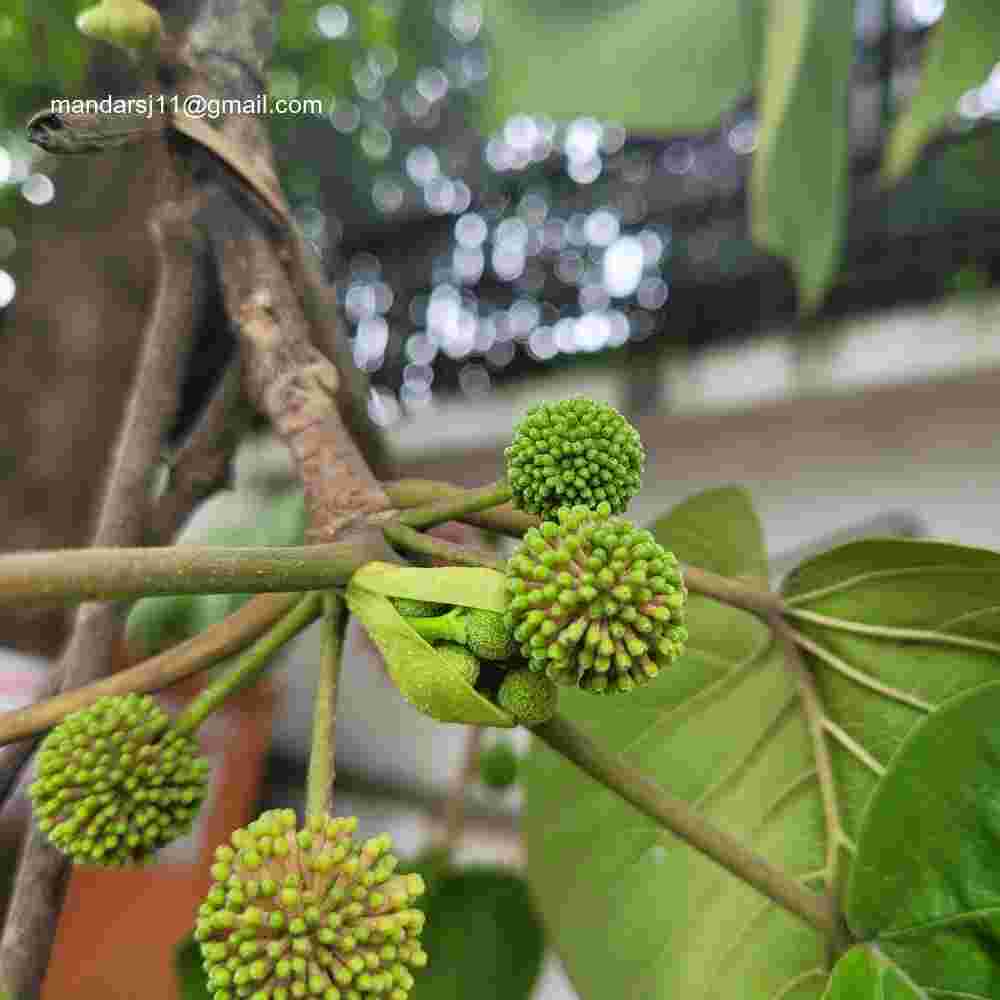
x=758 y=600
x=454 y=508
x=111 y=574
x=680 y=818
x=319 y=783
x=405 y=493
x=443 y=628
x=415 y=541
x=216 y=643
x=250 y=665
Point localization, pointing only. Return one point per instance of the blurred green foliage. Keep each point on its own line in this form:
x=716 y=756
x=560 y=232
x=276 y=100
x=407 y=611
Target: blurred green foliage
x=44 y=56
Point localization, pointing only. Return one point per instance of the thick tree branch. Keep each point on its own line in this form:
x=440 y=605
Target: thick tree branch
x=43 y=871
x=296 y=386
x=117 y=574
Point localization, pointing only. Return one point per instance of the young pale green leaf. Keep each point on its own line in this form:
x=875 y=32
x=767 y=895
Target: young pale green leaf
x=687 y=61
x=799 y=180
x=464 y=585
x=633 y=911
x=423 y=678
x=934 y=905
x=482 y=935
x=865 y=974
x=964 y=47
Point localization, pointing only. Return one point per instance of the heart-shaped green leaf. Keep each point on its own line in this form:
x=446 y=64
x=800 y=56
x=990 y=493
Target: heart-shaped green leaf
x=427 y=681
x=865 y=974
x=901 y=635
x=633 y=911
x=925 y=884
x=464 y=585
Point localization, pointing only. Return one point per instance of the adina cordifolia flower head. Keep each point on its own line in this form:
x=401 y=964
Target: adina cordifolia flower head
x=115 y=783
x=573 y=452
x=595 y=602
x=309 y=913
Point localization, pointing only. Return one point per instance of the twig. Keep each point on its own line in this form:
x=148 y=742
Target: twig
x=250 y=664
x=198 y=653
x=202 y=465
x=453 y=508
x=504 y=519
x=416 y=541
x=322 y=755
x=626 y=781
x=43 y=871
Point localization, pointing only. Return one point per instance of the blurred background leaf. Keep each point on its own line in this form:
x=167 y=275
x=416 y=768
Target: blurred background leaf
x=192 y=983
x=648 y=65
x=964 y=48
x=800 y=168
x=482 y=935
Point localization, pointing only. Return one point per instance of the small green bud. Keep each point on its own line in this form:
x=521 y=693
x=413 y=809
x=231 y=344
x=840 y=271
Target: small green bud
x=141 y=788
x=498 y=765
x=410 y=608
x=529 y=696
x=573 y=452
x=487 y=634
x=461 y=659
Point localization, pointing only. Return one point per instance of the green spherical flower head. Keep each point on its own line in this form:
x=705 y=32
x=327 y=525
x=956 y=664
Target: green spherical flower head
x=487 y=634
x=529 y=696
x=115 y=783
x=309 y=913
x=498 y=765
x=461 y=659
x=574 y=452
x=410 y=608
x=594 y=602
